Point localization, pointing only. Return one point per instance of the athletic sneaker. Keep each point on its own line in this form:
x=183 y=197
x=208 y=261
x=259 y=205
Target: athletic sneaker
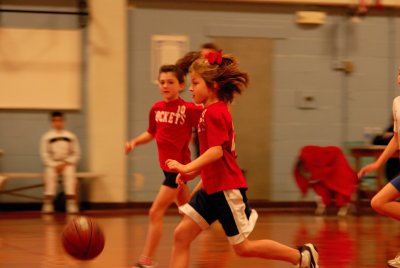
x=309 y=256
x=394 y=262
x=139 y=265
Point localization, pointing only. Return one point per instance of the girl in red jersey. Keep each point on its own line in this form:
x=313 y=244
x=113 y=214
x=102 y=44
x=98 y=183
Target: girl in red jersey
x=385 y=200
x=215 y=80
x=170 y=123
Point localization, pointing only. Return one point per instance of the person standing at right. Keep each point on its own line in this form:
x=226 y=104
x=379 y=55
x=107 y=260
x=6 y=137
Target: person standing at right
x=384 y=202
x=60 y=153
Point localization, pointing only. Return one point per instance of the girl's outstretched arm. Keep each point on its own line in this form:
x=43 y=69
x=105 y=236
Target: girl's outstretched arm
x=390 y=149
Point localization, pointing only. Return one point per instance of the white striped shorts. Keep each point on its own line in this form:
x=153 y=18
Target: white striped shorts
x=229 y=207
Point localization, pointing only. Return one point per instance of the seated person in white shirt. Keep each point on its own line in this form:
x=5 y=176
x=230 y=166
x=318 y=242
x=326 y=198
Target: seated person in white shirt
x=60 y=153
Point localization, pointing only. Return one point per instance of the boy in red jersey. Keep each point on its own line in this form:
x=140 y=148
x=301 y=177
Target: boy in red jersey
x=170 y=123
x=215 y=81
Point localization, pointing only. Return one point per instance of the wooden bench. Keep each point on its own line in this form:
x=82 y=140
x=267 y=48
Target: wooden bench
x=4 y=177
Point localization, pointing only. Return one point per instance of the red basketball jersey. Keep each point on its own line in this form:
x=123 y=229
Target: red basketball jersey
x=216 y=129
x=171 y=124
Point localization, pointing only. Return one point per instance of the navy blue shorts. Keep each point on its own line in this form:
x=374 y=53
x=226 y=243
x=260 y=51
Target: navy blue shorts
x=170 y=179
x=229 y=207
x=396 y=183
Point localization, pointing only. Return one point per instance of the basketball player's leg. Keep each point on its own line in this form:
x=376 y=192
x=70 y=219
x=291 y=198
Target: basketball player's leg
x=267 y=249
x=162 y=202
x=198 y=215
x=238 y=221
x=384 y=202
x=186 y=231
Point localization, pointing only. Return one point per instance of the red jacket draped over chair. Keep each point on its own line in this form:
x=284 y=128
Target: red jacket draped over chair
x=327 y=165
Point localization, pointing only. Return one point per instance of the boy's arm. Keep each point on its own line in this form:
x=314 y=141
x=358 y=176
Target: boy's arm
x=143 y=138
x=209 y=156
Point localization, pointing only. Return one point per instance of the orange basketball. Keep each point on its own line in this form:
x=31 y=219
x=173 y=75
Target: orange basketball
x=82 y=238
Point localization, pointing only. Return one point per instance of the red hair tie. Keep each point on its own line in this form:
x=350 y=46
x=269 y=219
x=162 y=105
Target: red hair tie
x=214 y=57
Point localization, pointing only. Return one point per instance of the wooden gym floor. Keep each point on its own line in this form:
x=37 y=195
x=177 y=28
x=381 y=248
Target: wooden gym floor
x=29 y=239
